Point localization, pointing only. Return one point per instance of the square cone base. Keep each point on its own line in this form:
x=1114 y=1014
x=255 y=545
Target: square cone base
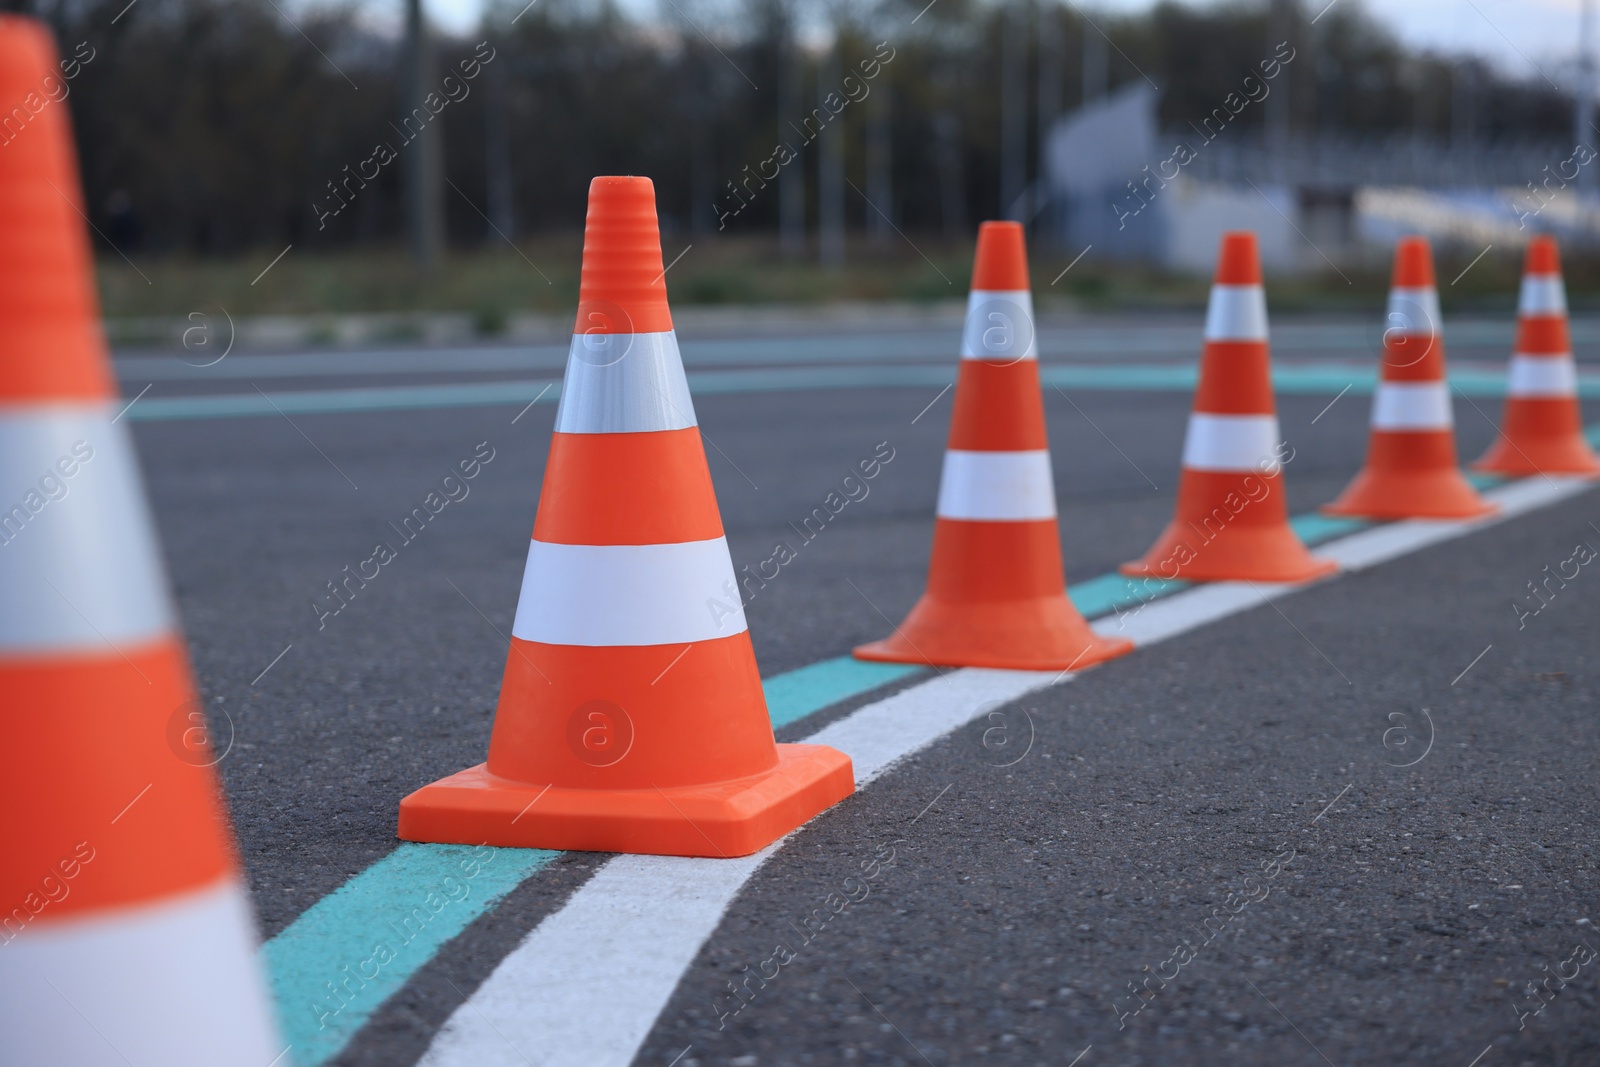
x=720 y=820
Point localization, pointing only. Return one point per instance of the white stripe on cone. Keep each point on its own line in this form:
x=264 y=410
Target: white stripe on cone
x=1543 y=375
x=624 y=383
x=1542 y=294
x=1229 y=442
x=999 y=326
x=1413 y=311
x=175 y=983
x=79 y=565
x=1411 y=406
x=609 y=595
x=997 y=486
x=1236 y=313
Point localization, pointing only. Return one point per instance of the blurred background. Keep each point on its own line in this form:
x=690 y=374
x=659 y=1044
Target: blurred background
x=405 y=158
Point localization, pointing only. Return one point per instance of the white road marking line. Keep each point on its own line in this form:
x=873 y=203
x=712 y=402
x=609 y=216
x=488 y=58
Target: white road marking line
x=586 y=986
x=626 y=937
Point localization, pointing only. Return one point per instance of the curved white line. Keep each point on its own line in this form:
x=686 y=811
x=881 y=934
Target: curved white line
x=585 y=987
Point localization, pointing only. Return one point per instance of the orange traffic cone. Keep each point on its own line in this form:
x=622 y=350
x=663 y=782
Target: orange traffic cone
x=996 y=593
x=1231 y=522
x=1542 y=429
x=631 y=716
x=1411 y=468
x=125 y=928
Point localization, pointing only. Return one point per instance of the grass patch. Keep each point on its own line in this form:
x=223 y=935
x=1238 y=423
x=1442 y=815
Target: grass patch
x=493 y=282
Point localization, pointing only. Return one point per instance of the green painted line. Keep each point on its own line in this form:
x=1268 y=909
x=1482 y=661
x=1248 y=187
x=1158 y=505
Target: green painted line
x=1113 y=592
x=329 y=971
x=1292 y=379
x=340 y=401
x=337 y=963
x=1313 y=528
x=793 y=696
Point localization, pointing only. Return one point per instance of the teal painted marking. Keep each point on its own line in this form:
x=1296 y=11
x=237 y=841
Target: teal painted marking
x=1112 y=592
x=336 y=401
x=793 y=696
x=1292 y=379
x=1151 y=377
x=1484 y=481
x=335 y=940
x=352 y=950
x=1314 y=529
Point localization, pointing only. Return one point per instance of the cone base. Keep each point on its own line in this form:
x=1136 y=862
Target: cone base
x=1043 y=634
x=721 y=820
x=1436 y=494
x=1550 y=455
x=1239 y=554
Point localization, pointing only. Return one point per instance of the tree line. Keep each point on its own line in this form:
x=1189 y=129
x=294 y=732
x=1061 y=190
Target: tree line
x=212 y=126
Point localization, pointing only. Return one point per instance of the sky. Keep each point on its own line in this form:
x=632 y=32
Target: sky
x=1524 y=37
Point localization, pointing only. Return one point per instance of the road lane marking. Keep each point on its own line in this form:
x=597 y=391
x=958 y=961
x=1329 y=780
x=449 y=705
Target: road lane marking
x=318 y=966
x=311 y=950
x=586 y=986
x=1297 y=379
x=341 y=930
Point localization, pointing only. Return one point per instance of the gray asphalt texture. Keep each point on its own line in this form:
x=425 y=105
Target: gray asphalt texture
x=1022 y=903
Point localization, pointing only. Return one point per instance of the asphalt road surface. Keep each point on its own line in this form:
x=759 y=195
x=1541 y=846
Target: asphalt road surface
x=1404 y=776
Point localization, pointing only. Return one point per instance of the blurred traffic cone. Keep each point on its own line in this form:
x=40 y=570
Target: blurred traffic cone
x=631 y=715
x=1231 y=522
x=125 y=930
x=996 y=593
x=1411 y=468
x=1541 y=431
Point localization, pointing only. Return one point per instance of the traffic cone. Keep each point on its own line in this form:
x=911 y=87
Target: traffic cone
x=125 y=929
x=1542 y=429
x=1411 y=470
x=631 y=715
x=1231 y=522
x=996 y=594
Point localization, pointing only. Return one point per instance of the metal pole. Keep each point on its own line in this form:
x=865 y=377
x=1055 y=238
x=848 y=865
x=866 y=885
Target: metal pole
x=792 y=181
x=497 y=151
x=1583 y=114
x=1279 y=114
x=880 y=162
x=424 y=166
x=1049 y=109
x=952 y=185
x=1096 y=63
x=1013 y=107
x=830 y=162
